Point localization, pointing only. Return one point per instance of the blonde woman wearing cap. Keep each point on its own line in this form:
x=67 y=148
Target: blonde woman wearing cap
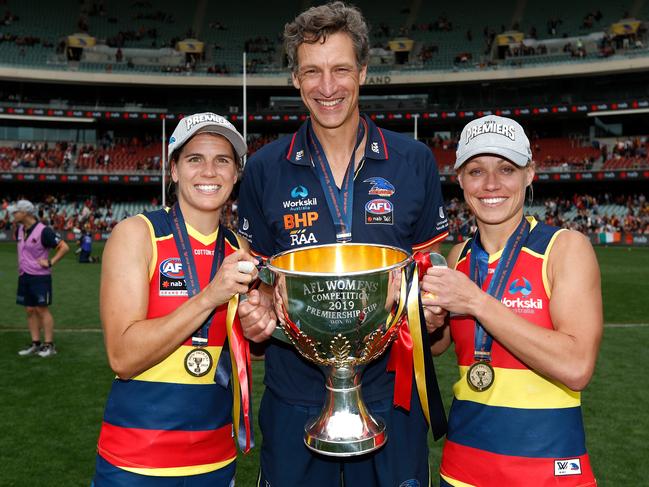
x=526 y=319
x=169 y=287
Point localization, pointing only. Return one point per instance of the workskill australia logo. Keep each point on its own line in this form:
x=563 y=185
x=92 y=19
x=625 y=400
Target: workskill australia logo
x=379 y=211
x=522 y=305
x=380 y=187
x=300 y=200
x=521 y=285
x=172 y=278
x=299 y=192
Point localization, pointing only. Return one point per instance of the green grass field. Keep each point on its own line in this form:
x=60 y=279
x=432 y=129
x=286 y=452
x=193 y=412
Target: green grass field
x=52 y=408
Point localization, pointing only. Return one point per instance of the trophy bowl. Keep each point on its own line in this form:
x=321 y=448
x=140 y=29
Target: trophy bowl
x=341 y=306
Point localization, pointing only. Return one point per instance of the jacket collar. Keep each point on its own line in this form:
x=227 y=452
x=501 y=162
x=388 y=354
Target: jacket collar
x=375 y=146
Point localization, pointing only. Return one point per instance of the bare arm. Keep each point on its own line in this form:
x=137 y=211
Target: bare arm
x=133 y=342
x=566 y=353
x=59 y=251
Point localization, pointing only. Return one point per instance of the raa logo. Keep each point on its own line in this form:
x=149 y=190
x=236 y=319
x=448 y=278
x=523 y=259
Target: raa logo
x=525 y=289
x=172 y=268
x=380 y=187
x=299 y=192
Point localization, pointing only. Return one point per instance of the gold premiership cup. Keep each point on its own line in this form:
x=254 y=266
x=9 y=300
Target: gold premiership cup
x=341 y=306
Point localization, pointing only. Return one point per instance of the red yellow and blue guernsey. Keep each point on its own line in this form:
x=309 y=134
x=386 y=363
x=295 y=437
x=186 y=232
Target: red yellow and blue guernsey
x=525 y=429
x=166 y=422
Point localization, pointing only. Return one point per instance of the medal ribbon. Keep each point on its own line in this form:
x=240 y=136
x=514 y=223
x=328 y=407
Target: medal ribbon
x=479 y=268
x=185 y=251
x=340 y=201
x=239 y=358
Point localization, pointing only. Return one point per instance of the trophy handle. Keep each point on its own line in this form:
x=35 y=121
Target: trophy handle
x=265 y=276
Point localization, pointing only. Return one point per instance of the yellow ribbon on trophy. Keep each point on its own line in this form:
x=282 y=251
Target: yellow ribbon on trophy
x=411 y=352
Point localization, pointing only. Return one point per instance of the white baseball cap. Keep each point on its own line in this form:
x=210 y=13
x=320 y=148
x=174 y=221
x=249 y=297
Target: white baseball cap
x=493 y=135
x=210 y=123
x=21 y=205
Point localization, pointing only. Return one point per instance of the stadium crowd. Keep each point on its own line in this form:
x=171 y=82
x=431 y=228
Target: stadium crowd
x=142 y=154
x=106 y=156
x=582 y=212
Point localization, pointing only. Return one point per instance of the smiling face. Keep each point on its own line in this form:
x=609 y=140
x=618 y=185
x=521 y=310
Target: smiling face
x=329 y=79
x=204 y=173
x=494 y=189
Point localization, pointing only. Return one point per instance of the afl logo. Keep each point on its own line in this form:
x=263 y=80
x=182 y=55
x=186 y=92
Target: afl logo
x=172 y=268
x=378 y=207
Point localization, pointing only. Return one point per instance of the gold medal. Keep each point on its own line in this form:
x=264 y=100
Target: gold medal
x=198 y=362
x=480 y=376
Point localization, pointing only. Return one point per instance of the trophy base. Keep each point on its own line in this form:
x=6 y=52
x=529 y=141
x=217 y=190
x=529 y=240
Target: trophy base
x=344 y=428
x=318 y=441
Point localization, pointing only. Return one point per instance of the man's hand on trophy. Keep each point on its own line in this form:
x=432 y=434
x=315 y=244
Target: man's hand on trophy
x=236 y=272
x=435 y=315
x=256 y=314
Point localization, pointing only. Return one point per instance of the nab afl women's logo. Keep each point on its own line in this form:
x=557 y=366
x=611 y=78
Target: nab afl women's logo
x=172 y=268
x=172 y=278
x=379 y=211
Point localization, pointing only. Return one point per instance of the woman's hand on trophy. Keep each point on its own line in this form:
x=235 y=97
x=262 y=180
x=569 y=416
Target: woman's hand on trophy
x=256 y=314
x=236 y=272
x=451 y=290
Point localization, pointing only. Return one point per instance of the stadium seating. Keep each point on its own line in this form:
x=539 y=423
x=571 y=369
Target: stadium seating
x=550 y=154
x=444 y=39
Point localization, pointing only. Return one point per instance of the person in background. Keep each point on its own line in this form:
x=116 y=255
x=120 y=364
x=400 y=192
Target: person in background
x=525 y=308
x=35 y=241
x=85 y=248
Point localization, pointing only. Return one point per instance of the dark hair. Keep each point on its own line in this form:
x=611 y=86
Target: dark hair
x=316 y=23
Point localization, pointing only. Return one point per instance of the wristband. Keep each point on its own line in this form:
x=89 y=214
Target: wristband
x=49 y=262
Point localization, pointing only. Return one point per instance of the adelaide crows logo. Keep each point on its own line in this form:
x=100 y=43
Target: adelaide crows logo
x=515 y=287
x=380 y=187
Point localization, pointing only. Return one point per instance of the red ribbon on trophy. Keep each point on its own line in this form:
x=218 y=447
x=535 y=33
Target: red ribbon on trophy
x=241 y=378
x=408 y=356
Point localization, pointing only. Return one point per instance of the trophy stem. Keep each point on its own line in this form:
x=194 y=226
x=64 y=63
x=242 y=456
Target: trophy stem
x=344 y=427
